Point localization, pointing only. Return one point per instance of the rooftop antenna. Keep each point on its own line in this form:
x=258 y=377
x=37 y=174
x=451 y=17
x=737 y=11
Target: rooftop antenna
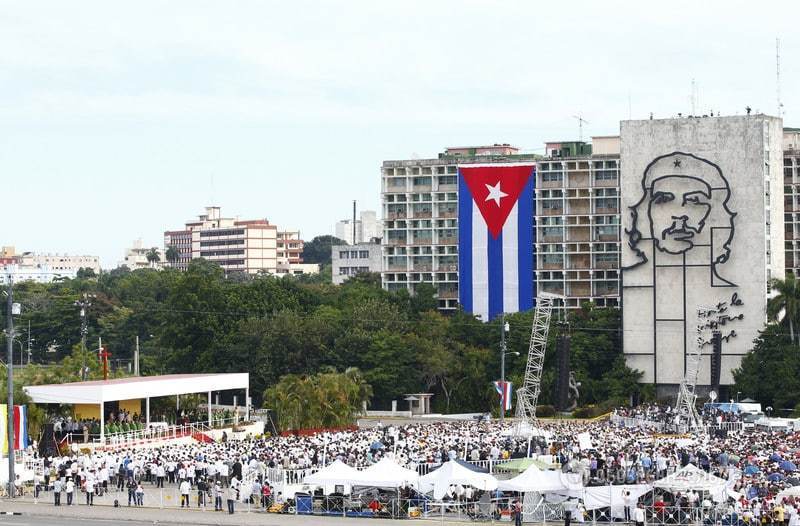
x=354 y=221
x=581 y=122
x=778 y=76
x=693 y=97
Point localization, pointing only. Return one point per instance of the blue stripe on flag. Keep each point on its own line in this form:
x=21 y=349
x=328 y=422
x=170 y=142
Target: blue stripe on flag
x=464 y=245
x=525 y=248
x=495 y=257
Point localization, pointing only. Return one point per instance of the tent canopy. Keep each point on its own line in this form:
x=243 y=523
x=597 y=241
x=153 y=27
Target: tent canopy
x=132 y=388
x=386 y=473
x=336 y=473
x=534 y=479
x=439 y=480
x=691 y=477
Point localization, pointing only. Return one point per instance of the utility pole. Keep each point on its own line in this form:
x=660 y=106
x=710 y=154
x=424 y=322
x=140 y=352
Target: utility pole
x=136 y=358
x=84 y=303
x=29 y=342
x=10 y=386
x=503 y=330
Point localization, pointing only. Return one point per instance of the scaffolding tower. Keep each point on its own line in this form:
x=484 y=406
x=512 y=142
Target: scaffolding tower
x=528 y=394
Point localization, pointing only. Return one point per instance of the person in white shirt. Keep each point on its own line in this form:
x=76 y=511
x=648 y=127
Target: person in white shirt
x=70 y=490
x=185 y=488
x=638 y=515
x=89 y=487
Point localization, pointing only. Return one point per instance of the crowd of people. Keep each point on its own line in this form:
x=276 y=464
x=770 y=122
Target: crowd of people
x=759 y=464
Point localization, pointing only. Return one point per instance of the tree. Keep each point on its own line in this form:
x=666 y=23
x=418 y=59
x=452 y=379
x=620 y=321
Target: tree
x=318 y=250
x=770 y=372
x=86 y=273
x=153 y=257
x=172 y=255
x=324 y=400
x=787 y=302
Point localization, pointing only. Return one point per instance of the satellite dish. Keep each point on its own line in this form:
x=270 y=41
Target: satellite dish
x=712 y=395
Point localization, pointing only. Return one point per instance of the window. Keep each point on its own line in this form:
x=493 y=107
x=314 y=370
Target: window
x=363 y=254
x=343 y=254
x=552 y=204
x=552 y=177
x=447 y=179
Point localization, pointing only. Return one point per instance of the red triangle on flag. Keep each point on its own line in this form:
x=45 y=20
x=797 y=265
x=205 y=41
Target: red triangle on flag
x=495 y=189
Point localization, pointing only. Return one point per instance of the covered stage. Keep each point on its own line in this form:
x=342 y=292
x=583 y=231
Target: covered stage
x=98 y=392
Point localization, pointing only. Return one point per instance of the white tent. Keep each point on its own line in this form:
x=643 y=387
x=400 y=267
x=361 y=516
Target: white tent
x=336 y=473
x=693 y=478
x=534 y=479
x=451 y=472
x=794 y=491
x=386 y=473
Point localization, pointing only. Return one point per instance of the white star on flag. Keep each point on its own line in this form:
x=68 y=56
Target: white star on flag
x=495 y=194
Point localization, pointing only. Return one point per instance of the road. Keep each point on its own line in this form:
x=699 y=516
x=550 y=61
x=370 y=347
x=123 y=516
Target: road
x=61 y=521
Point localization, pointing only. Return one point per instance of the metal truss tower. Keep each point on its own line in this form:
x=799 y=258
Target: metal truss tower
x=686 y=405
x=528 y=394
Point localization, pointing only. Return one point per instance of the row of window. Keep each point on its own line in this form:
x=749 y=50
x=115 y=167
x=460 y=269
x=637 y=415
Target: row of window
x=352 y=271
x=213 y=253
x=354 y=254
x=424 y=170
x=220 y=242
x=223 y=232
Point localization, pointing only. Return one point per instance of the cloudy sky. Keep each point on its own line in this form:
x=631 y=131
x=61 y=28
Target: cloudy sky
x=120 y=120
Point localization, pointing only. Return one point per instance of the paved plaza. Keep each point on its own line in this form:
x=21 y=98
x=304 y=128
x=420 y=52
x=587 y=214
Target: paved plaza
x=44 y=513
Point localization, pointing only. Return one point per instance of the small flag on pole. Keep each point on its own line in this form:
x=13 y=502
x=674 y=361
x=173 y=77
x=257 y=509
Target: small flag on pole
x=504 y=390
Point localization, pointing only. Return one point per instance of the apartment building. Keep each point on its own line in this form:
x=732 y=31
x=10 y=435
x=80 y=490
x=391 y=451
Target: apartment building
x=136 y=256
x=290 y=246
x=63 y=264
x=248 y=246
x=419 y=199
x=181 y=241
x=791 y=199
x=367 y=227
x=577 y=243
x=351 y=260
x=577 y=222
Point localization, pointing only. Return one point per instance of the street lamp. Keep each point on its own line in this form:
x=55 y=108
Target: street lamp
x=504 y=328
x=84 y=303
x=737 y=396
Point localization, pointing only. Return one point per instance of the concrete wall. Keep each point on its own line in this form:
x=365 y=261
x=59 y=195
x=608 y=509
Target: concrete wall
x=687 y=208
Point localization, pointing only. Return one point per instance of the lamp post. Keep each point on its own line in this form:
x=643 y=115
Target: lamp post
x=504 y=328
x=84 y=303
x=12 y=309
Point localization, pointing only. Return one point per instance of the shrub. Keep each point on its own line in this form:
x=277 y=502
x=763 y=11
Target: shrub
x=545 y=411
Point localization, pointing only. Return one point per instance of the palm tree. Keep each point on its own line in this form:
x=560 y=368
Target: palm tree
x=153 y=257
x=786 y=302
x=172 y=254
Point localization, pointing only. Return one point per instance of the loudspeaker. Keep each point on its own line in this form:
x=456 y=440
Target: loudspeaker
x=716 y=360
x=562 y=378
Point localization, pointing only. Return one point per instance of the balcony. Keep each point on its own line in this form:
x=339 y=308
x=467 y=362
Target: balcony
x=551 y=266
x=606 y=210
x=551 y=184
x=580 y=289
x=578 y=234
x=579 y=208
x=447 y=268
x=422 y=267
x=608 y=237
x=552 y=211
x=606 y=183
x=423 y=214
x=422 y=241
x=447 y=214
x=448 y=294
x=606 y=265
x=396 y=215
x=396 y=268
x=397 y=241
x=578 y=180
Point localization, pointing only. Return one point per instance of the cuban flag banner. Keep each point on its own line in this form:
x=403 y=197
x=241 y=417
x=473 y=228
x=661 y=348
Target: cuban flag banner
x=495 y=238
x=20 y=427
x=504 y=390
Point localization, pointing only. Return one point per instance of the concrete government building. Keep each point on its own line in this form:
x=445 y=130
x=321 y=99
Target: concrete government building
x=585 y=198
